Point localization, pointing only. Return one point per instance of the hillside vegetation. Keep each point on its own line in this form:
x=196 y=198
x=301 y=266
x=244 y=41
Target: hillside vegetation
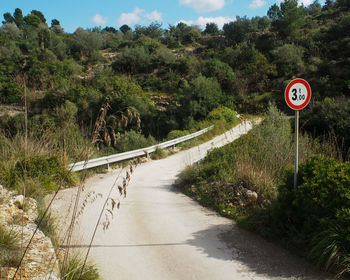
x=157 y=80
x=72 y=96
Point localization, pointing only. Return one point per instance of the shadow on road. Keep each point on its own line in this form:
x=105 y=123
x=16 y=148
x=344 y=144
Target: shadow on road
x=254 y=253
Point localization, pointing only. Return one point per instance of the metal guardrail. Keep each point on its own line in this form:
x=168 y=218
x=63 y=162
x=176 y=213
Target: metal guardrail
x=78 y=166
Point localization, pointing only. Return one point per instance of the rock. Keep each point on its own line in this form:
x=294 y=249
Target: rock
x=31 y=208
x=40 y=258
x=51 y=276
x=19 y=201
x=251 y=195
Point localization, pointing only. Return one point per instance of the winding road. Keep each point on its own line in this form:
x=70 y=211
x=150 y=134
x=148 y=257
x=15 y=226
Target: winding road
x=161 y=234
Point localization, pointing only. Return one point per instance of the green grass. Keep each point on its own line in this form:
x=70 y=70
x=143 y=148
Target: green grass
x=9 y=247
x=159 y=153
x=329 y=251
x=73 y=268
x=48 y=224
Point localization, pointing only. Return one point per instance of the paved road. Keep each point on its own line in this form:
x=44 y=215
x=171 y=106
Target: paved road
x=159 y=233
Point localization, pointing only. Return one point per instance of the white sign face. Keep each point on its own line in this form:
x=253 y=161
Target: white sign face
x=297 y=94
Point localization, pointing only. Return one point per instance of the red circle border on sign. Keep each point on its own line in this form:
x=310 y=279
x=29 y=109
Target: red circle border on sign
x=308 y=88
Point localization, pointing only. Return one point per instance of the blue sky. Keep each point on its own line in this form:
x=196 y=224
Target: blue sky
x=89 y=13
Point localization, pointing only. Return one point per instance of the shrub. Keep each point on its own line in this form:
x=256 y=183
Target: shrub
x=132 y=140
x=49 y=170
x=318 y=211
x=37 y=174
x=177 y=134
x=331 y=118
x=223 y=113
x=159 y=153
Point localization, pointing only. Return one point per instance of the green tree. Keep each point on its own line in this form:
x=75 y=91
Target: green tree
x=132 y=60
x=274 y=13
x=343 y=4
x=153 y=31
x=222 y=71
x=315 y=8
x=124 y=28
x=211 y=28
x=11 y=30
x=56 y=26
x=239 y=30
x=288 y=18
x=32 y=20
x=289 y=60
x=203 y=96
x=110 y=29
x=165 y=56
x=85 y=42
x=39 y=15
x=192 y=35
x=263 y=23
x=8 y=18
x=44 y=36
x=329 y=4
x=18 y=17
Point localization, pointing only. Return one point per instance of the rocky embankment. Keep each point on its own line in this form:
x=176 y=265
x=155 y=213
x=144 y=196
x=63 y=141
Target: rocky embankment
x=18 y=215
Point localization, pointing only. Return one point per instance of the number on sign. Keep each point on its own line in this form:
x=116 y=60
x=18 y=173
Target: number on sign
x=295 y=97
x=297 y=94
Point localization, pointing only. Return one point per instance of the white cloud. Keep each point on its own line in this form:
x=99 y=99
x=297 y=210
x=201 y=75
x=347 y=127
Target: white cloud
x=305 y=2
x=257 y=4
x=130 y=18
x=202 y=21
x=99 y=20
x=204 y=5
x=154 y=16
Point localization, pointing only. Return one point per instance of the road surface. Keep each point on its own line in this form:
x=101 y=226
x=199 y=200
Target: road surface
x=161 y=234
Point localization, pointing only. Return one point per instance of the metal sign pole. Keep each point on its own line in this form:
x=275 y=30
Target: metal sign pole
x=296 y=148
x=297 y=96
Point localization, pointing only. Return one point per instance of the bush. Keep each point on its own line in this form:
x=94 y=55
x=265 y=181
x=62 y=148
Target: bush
x=317 y=213
x=49 y=170
x=177 y=134
x=330 y=118
x=223 y=113
x=132 y=140
x=37 y=174
x=159 y=153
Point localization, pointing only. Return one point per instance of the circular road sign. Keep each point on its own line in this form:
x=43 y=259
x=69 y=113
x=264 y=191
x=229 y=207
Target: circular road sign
x=297 y=94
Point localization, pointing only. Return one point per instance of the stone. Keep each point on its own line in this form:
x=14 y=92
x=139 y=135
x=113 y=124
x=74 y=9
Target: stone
x=31 y=208
x=19 y=201
x=251 y=195
x=51 y=276
x=40 y=257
